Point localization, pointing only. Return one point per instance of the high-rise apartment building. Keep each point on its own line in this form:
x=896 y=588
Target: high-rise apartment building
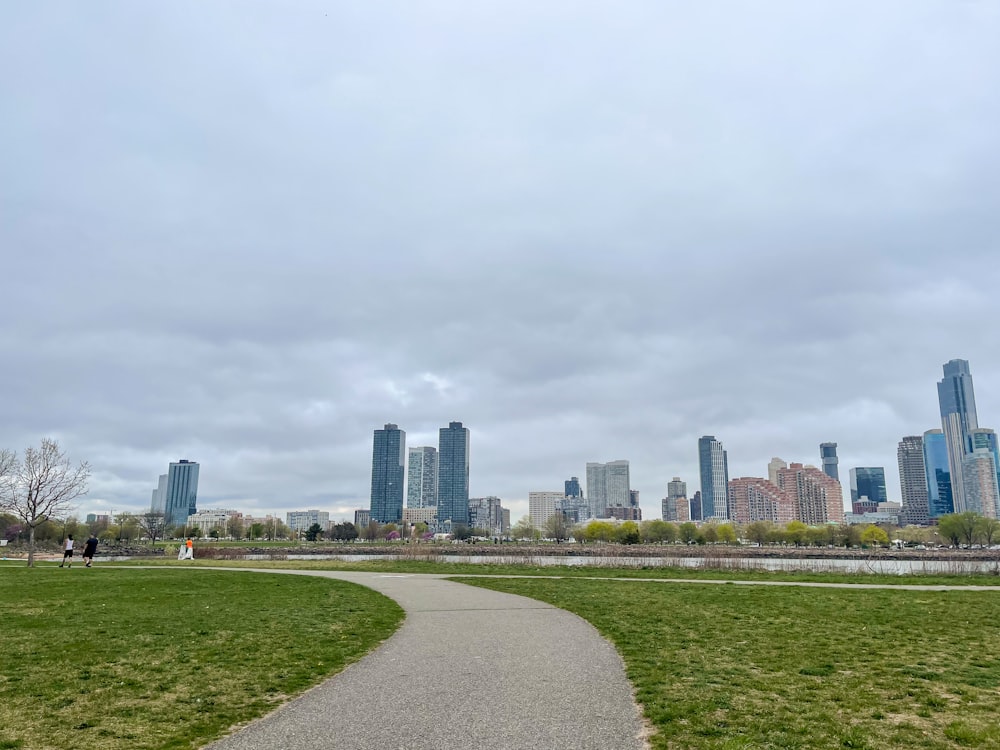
x=773 y=466
x=486 y=514
x=979 y=476
x=675 y=506
x=913 y=480
x=572 y=486
x=983 y=438
x=818 y=497
x=958 y=418
x=453 y=473
x=607 y=486
x=696 y=506
x=388 y=474
x=422 y=477
x=181 y=497
x=757 y=499
x=868 y=481
x=542 y=506
x=300 y=521
x=938 y=474
x=828 y=453
x=714 y=466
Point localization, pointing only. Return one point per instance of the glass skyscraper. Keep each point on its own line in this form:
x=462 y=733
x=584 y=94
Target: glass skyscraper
x=868 y=481
x=828 y=453
x=388 y=474
x=938 y=474
x=422 y=477
x=181 y=492
x=453 y=474
x=958 y=418
x=714 y=465
x=913 y=479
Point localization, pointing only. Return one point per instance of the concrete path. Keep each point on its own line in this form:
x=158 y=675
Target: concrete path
x=469 y=668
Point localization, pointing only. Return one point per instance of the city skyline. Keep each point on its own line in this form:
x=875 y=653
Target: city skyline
x=702 y=228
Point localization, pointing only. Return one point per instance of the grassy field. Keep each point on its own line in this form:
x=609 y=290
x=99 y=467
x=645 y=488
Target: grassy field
x=587 y=571
x=129 y=658
x=773 y=667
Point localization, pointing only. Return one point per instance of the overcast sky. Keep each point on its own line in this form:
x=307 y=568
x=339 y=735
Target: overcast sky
x=248 y=234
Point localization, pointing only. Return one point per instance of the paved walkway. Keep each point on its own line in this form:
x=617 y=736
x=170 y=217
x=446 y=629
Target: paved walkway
x=469 y=668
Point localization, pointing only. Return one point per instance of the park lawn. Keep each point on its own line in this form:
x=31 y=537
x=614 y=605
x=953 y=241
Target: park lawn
x=136 y=659
x=790 y=667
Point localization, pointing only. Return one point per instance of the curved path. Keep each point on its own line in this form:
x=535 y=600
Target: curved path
x=469 y=668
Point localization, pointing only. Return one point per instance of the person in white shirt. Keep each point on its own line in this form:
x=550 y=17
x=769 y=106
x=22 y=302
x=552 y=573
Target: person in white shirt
x=68 y=553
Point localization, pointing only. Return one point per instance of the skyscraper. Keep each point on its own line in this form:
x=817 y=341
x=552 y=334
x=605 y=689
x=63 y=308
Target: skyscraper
x=868 y=481
x=938 y=474
x=453 y=473
x=388 y=474
x=714 y=465
x=913 y=480
x=958 y=417
x=607 y=487
x=828 y=452
x=181 y=492
x=422 y=477
x=572 y=486
x=983 y=492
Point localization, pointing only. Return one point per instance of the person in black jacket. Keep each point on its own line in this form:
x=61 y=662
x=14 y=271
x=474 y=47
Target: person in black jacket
x=89 y=549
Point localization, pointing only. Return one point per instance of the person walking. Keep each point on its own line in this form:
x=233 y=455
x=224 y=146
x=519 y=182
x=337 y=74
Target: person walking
x=88 y=550
x=68 y=552
x=189 y=549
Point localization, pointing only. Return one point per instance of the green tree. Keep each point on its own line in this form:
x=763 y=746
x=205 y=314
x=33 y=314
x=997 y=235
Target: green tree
x=759 y=532
x=344 y=531
x=873 y=536
x=234 y=527
x=709 y=533
x=557 y=528
x=627 y=533
x=256 y=530
x=960 y=527
x=727 y=533
x=795 y=532
x=657 y=531
x=523 y=529
x=599 y=531
x=314 y=533
x=989 y=529
x=688 y=532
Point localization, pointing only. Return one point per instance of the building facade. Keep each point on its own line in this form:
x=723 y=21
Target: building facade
x=608 y=485
x=818 y=498
x=675 y=507
x=453 y=474
x=828 y=454
x=868 y=481
x=300 y=521
x=388 y=474
x=422 y=477
x=714 y=467
x=938 y=474
x=979 y=477
x=913 y=480
x=957 y=400
x=486 y=514
x=758 y=499
x=542 y=506
x=181 y=498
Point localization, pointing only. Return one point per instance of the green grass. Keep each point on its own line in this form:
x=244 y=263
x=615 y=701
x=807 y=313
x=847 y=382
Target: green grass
x=587 y=571
x=133 y=659
x=772 y=667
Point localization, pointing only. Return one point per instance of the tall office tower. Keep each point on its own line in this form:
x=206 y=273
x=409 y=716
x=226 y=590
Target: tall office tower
x=388 y=474
x=818 y=498
x=573 y=487
x=938 y=477
x=675 y=505
x=696 y=506
x=181 y=497
x=453 y=473
x=422 y=477
x=772 y=469
x=542 y=506
x=868 y=481
x=159 y=499
x=828 y=452
x=913 y=480
x=714 y=465
x=755 y=499
x=607 y=486
x=958 y=418
x=985 y=438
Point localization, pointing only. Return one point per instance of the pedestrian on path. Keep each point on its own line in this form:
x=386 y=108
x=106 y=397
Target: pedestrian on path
x=68 y=552
x=88 y=550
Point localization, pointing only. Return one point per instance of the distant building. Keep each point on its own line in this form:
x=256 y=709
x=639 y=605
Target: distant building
x=696 y=506
x=542 y=506
x=420 y=515
x=913 y=480
x=773 y=466
x=158 y=502
x=486 y=513
x=624 y=513
x=979 y=477
x=300 y=521
x=714 y=466
x=181 y=497
x=573 y=487
x=607 y=485
x=818 y=497
x=422 y=477
x=984 y=439
x=675 y=505
x=453 y=474
x=207 y=520
x=362 y=517
x=388 y=474
x=505 y=520
x=957 y=400
x=757 y=499
x=938 y=474
x=828 y=454
x=870 y=482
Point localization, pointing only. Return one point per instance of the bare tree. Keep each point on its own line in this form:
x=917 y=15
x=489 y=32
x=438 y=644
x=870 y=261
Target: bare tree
x=41 y=486
x=153 y=525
